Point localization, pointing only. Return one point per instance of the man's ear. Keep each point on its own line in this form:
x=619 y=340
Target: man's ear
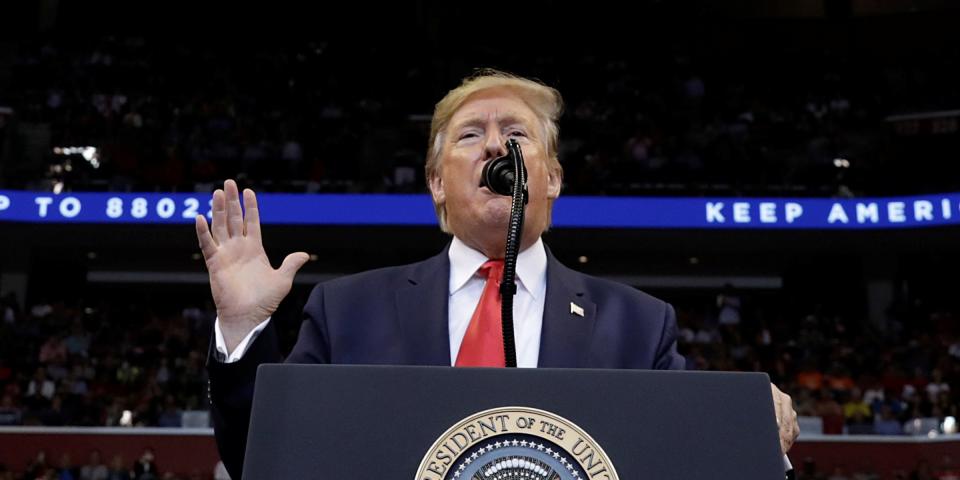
x=436 y=189
x=554 y=182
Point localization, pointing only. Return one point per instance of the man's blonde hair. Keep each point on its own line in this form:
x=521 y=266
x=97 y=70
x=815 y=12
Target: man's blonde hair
x=546 y=103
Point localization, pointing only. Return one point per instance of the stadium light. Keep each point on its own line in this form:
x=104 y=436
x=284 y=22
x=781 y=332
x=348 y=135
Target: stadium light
x=841 y=163
x=126 y=419
x=90 y=154
x=949 y=425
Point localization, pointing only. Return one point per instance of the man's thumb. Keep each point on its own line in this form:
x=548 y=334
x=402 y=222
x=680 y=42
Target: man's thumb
x=293 y=262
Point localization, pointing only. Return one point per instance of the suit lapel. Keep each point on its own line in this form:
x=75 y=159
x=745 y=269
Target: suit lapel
x=566 y=336
x=422 y=310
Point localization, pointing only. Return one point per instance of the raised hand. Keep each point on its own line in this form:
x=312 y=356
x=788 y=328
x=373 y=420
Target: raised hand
x=246 y=288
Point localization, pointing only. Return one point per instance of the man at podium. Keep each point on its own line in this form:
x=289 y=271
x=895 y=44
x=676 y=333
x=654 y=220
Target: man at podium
x=444 y=310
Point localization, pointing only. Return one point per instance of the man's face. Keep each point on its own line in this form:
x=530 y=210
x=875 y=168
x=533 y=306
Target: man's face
x=476 y=134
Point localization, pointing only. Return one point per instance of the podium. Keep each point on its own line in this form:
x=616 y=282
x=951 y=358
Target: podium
x=437 y=423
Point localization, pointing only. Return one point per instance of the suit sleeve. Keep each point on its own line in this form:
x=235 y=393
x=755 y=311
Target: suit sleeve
x=231 y=385
x=667 y=356
x=231 y=395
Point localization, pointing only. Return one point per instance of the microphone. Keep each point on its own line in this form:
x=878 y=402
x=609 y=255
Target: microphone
x=500 y=174
x=507 y=176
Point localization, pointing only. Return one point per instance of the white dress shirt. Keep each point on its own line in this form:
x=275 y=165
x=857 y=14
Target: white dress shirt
x=466 y=286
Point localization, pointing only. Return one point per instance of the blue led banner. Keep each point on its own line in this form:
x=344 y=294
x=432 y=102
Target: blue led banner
x=602 y=212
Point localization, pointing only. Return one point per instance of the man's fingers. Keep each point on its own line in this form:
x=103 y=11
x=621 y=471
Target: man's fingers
x=220 y=234
x=795 y=423
x=251 y=218
x=786 y=406
x=207 y=244
x=781 y=411
x=293 y=262
x=787 y=418
x=785 y=409
x=234 y=212
x=777 y=410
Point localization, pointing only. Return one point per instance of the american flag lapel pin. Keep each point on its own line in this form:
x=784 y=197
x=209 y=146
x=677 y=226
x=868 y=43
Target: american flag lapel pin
x=576 y=309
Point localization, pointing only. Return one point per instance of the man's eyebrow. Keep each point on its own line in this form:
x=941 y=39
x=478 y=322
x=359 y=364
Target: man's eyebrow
x=479 y=121
x=474 y=121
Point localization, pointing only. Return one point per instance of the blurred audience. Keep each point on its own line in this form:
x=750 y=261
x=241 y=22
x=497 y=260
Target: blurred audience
x=121 y=365
x=685 y=120
x=851 y=376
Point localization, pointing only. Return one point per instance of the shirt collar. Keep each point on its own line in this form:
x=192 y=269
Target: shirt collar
x=531 y=267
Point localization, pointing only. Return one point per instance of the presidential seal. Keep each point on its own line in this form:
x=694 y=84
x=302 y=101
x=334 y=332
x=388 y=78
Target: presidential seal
x=515 y=443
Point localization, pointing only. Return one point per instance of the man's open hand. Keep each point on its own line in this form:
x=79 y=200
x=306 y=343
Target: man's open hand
x=246 y=288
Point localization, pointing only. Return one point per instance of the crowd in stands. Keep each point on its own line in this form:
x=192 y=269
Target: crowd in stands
x=81 y=365
x=102 y=365
x=943 y=469
x=855 y=378
x=174 y=115
x=41 y=467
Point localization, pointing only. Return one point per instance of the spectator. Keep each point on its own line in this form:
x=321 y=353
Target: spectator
x=729 y=304
x=857 y=414
x=10 y=414
x=922 y=471
x=145 y=467
x=292 y=155
x=947 y=470
x=94 y=469
x=38 y=467
x=866 y=473
x=9 y=309
x=839 y=473
x=41 y=386
x=810 y=377
x=808 y=471
x=886 y=423
x=937 y=385
x=831 y=412
x=838 y=380
x=171 y=415
x=66 y=470
x=78 y=343
x=55 y=415
x=53 y=350
x=117 y=469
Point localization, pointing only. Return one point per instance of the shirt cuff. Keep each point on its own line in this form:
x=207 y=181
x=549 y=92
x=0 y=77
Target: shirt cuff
x=229 y=357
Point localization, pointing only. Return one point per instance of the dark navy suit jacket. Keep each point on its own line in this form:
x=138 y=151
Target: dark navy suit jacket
x=398 y=315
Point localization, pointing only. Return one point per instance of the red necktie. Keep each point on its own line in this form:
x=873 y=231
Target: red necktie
x=482 y=345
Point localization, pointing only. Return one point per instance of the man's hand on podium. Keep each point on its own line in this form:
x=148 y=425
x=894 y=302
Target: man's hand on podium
x=246 y=288
x=786 y=418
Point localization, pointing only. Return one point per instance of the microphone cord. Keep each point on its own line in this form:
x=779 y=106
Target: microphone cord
x=508 y=285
